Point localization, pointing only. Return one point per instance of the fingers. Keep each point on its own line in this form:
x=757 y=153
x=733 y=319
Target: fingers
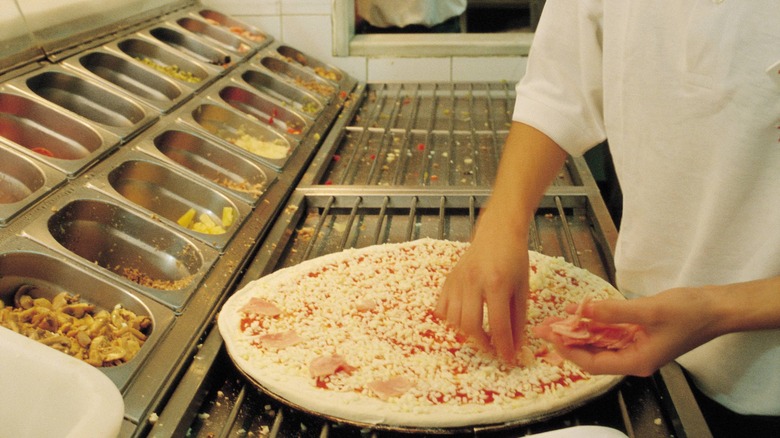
x=471 y=320
x=462 y=311
x=501 y=331
x=519 y=306
x=613 y=311
x=629 y=361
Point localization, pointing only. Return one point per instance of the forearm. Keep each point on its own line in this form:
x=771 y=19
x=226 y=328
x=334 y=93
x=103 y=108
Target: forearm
x=752 y=305
x=529 y=163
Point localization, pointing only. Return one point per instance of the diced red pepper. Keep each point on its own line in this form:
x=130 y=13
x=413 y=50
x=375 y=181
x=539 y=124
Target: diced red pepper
x=43 y=151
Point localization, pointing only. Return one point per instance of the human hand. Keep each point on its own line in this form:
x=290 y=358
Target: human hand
x=671 y=323
x=492 y=272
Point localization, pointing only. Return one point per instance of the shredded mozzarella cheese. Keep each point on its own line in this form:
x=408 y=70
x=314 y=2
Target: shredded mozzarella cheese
x=399 y=336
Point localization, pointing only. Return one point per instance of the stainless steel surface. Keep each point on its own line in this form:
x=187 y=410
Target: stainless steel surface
x=297 y=98
x=320 y=68
x=67 y=143
x=216 y=34
x=422 y=135
x=59 y=27
x=192 y=46
x=102 y=233
x=158 y=91
x=233 y=127
x=140 y=50
x=265 y=110
x=299 y=76
x=182 y=146
x=167 y=194
x=22 y=182
x=237 y=27
x=91 y=101
x=22 y=262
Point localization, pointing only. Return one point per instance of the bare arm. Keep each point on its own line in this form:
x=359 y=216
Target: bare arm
x=677 y=321
x=494 y=271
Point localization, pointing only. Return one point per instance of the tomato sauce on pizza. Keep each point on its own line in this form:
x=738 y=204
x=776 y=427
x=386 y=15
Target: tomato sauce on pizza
x=353 y=335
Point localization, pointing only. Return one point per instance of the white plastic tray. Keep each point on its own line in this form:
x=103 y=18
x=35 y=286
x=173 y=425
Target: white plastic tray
x=48 y=393
x=583 y=432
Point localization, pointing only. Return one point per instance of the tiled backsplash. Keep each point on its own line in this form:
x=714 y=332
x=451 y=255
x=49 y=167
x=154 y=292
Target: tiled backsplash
x=307 y=26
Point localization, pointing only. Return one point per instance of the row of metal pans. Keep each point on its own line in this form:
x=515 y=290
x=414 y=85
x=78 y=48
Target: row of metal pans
x=102 y=157
x=56 y=121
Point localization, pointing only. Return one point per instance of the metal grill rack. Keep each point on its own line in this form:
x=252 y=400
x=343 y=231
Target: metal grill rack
x=353 y=195
x=424 y=136
x=316 y=222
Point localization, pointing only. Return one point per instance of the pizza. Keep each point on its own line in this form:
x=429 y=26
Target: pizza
x=352 y=336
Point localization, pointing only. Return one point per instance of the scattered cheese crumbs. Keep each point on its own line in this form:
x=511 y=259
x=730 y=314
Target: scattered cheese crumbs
x=153 y=417
x=274 y=150
x=400 y=336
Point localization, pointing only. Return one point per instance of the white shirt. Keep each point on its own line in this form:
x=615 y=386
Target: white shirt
x=685 y=94
x=400 y=13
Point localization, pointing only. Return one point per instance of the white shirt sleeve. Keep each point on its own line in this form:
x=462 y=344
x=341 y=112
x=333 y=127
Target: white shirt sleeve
x=561 y=93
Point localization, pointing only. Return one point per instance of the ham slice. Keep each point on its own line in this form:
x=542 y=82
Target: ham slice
x=578 y=331
x=392 y=387
x=327 y=365
x=259 y=306
x=280 y=340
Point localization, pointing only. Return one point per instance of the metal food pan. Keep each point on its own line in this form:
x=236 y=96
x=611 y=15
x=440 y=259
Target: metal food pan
x=298 y=76
x=183 y=147
x=157 y=91
x=216 y=34
x=170 y=195
x=23 y=262
x=239 y=131
x=89 y=100
x=22 y=182
x=166 y=62
x=303 y=101
x=243 y=30
x=103 y=234
x=193 y=47
x=264 y=110
x=321 y=69
x=48 y=134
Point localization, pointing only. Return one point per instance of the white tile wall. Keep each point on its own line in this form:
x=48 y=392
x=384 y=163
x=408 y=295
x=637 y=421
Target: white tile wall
x=409 y=69
x=307 y=26
x=481 y=69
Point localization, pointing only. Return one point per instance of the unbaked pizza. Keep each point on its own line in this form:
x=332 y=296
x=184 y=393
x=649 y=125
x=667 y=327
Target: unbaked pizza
x=352 y=336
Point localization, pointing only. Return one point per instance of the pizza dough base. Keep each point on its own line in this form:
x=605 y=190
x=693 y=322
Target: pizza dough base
x=365 y=410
